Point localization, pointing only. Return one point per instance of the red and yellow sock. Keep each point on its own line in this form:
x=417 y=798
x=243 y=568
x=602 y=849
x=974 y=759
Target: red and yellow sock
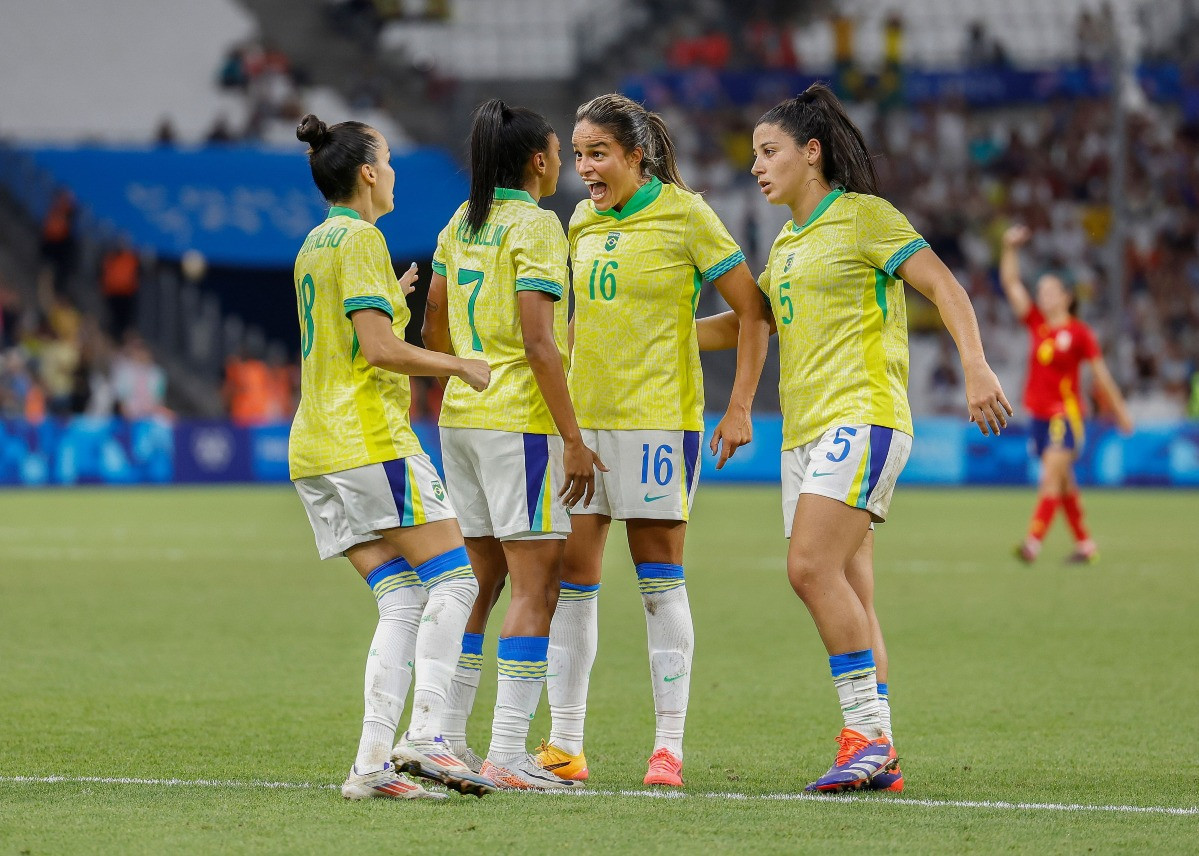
x=1042 y=518
x=1072 y=505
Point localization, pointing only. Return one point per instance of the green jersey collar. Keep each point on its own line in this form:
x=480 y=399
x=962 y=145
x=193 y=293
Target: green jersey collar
x=639 y=201
x=509 y=193
x=832 y=197
x=338 y=211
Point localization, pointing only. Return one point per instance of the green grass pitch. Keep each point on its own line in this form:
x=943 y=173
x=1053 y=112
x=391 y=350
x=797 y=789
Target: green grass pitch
x=193 y=635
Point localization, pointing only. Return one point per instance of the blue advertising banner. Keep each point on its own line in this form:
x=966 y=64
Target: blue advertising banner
x=242 y=206
x=946 y=452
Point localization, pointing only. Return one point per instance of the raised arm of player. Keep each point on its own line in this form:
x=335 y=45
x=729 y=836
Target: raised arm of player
x=1111 y=394
x=719 y=332
x=1009 y=270
x=925 y=272
x=578 y=461
x=739 y=290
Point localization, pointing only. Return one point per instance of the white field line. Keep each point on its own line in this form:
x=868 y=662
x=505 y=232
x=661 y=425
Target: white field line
x=668 y=795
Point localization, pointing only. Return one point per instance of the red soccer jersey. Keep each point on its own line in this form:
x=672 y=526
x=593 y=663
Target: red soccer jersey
x=1056 y=354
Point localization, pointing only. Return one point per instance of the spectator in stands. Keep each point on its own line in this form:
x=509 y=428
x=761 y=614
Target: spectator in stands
x=769 y=43
x=120 y=276
x=220 y=133
x=165 y=135
x=59 y=239
x=256 y=393
x=57 y=361
x=10 y=313
x=982 y=49
x=945 y=389
x=138 y=382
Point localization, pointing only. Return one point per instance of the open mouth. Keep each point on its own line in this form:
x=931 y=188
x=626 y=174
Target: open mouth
x=597 y=190
x=765 y=186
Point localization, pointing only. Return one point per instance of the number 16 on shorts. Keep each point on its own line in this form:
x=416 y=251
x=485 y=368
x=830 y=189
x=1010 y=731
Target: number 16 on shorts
x=652 y=474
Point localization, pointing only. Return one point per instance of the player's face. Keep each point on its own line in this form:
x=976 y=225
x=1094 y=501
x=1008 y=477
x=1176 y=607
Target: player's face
x=611 y=174
x=383 y=193
x=1052 y=297
x=779 y=166
x=553 y=166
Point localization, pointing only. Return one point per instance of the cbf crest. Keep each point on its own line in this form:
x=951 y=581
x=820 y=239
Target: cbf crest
x=610 y=244
x=787 y=264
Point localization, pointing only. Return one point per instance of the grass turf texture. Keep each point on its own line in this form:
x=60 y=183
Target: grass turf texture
x=193 y=634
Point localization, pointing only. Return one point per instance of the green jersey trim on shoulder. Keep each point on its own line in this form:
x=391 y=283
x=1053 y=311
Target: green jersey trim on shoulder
x=339 y=211
x=438 y=267
x=638 y=202
x=353 y=304
x=719 y=269
x=532 y=283
x=510 y=193
x=903 y=254
x=820 y=209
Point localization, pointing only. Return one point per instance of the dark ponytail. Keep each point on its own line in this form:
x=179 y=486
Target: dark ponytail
x=631 y=125
x=335 y=154
x=816 y=114
x=502 y=139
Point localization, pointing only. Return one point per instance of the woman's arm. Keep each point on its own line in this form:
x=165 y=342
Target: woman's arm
x=435 y=331
x=928 y=274
x=1111 y=394
x=1009 y=270
x=719 y=332
x=541 y=349
x=383 y=349
x=739 y=290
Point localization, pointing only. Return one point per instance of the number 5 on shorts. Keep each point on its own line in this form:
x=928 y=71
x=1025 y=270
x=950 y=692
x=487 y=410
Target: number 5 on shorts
x=838 y=440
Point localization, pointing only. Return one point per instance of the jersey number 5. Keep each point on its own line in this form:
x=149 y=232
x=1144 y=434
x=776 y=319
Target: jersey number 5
x=475 y=277
x=785 y=302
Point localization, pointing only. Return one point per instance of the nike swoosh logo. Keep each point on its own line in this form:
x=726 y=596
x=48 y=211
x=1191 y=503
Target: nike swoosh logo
x=670 y=678
x=818 y=475
x=557 y=766
x=649 y=498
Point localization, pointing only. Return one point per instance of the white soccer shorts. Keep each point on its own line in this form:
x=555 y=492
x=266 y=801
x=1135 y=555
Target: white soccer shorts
x=651 y=474
x=505 y=483
x=854 y=464
x=350 y=507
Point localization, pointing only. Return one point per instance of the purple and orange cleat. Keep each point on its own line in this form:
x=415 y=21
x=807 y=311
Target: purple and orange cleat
x=858 y=761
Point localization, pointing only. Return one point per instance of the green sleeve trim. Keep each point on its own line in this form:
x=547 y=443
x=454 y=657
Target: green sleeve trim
x=529 y=283
x=721 y=268
x=353 y=304
x=438 y=267
x=880 y=291
x=903 y=254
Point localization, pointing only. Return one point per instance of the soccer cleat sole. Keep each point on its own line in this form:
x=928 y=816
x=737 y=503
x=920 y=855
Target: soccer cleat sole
x=469 y=785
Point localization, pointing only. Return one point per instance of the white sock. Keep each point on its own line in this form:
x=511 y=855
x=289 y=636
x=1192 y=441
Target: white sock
x=671 y=645
x=522 y=667
x=884 y=709
x=857 y=690
x=461 y=699
x=452 y=590
x=389 y=663
x=574 y=637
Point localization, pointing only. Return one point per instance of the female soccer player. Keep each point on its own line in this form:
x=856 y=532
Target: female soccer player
x=641 y=247
x=1060 y=344
x=514 y=456
x=370 y=492
x=834 y=279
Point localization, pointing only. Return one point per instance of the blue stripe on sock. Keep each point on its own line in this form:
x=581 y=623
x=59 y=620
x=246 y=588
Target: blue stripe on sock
x=396 y=566
x=525 y=649
x=843 y=665
x=573 y=587
x=659 y=570
x=472 y=643
x=882 y=689
x=438 y=565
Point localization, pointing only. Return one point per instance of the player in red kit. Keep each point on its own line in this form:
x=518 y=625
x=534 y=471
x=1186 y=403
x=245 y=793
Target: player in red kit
x=1059 y=345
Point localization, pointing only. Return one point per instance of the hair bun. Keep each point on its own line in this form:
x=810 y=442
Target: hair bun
x=313 y=131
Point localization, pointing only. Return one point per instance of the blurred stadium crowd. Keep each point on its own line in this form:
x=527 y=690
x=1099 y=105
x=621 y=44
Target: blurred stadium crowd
x=962 y=172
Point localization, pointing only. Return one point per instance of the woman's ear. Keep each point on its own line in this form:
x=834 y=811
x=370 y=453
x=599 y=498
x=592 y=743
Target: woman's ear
x=368 y=174
x=539 y=163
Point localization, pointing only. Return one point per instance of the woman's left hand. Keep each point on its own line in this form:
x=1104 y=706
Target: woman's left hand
x=736 y=429
x=408 y=280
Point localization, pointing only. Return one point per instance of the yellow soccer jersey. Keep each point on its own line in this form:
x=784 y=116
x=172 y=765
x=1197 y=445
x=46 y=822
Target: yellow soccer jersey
x=637 y=276
x=841 y=317
x=351 y=413
x=521 y=247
